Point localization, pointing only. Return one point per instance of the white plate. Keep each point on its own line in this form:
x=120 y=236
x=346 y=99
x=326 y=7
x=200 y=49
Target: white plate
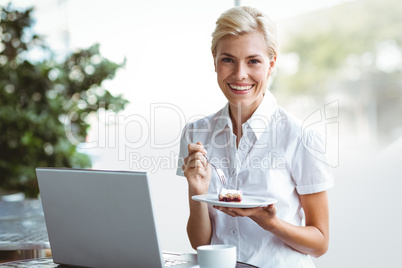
x=247 y=202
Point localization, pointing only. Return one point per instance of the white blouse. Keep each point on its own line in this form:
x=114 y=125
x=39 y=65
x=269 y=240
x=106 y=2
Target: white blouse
x=272 y=160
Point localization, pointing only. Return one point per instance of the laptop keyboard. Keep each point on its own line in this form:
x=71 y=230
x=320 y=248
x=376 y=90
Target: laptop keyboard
x=170 y=262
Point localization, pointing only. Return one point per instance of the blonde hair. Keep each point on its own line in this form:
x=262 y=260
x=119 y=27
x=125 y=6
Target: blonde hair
x=242 y=20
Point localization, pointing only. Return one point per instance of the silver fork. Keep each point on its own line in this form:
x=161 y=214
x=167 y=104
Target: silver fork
x=219 y=171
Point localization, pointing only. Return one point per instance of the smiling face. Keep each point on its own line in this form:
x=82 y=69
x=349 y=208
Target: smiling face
x=243 y=66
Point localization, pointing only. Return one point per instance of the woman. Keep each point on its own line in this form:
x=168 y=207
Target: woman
x=262 y=151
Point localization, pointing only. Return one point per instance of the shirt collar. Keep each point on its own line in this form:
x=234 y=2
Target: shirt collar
x=223 y=118
x=261 y=118
x=258 y=122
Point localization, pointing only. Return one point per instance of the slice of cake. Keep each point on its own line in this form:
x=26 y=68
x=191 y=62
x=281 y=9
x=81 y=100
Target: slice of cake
x=226 y=195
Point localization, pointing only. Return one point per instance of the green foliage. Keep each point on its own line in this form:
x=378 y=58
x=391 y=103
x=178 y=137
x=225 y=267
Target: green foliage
x=43 y=102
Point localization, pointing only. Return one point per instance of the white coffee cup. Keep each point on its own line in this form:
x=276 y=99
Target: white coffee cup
x=213 y=256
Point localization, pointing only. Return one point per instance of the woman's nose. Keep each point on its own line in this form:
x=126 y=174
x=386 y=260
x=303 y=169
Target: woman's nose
x=240 y=72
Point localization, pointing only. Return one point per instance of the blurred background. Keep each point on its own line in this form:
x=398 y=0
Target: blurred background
x=110 y=85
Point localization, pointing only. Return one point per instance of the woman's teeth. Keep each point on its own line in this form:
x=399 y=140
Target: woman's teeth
x=241 y=88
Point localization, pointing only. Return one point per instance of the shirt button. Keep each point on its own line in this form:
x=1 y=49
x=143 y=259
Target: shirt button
x=244 y=147
x=233 y=172
x=233 y=231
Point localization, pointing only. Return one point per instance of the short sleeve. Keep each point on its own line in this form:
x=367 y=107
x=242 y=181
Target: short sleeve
x=310 y=169
x=183 y=151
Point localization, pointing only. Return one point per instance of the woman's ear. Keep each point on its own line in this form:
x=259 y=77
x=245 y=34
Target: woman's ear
x=272 y=64
x=213 y=56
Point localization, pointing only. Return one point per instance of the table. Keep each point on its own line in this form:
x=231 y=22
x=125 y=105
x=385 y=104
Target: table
x=23 y=228
x=48 y=263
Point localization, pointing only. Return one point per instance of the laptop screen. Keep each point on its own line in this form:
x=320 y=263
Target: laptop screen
x=99 y=218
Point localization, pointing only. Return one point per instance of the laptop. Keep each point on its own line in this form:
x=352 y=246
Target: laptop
x=99 y=218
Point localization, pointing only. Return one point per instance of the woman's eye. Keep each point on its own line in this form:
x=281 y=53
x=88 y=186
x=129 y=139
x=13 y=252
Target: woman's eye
x=254 y=61
x=227 y=60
